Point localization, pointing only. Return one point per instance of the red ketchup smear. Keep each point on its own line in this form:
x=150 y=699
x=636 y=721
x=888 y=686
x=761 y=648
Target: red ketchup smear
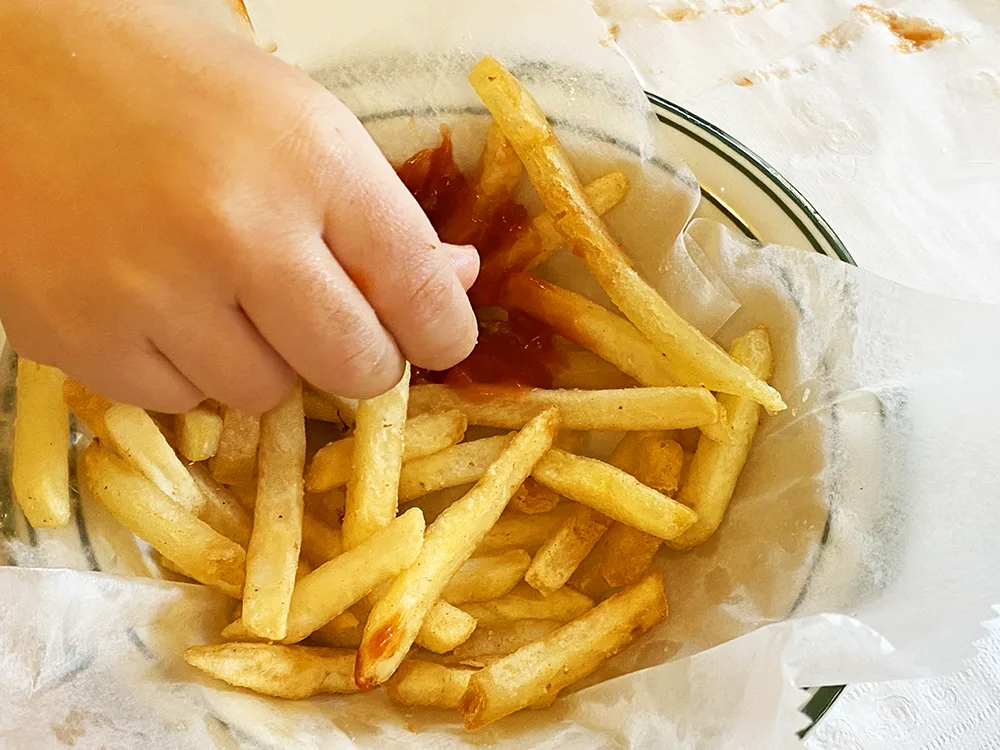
x=519 y=351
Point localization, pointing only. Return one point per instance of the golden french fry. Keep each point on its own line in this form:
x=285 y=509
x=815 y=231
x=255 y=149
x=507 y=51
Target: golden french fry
x=655 y=460
x=424 y=683
x=554 y=563
x=516 y=530
x=450 y=541
x=327 y=506
x=198 y=433
x=459 y=464
x=537 y=672
x=483 y=578
x=423 y=435
x=524 y=603
x=444 y=628
x=88 y=407
x=235 y=459
x=273 y=552
x=343 y=631
x=135 y=437
x=40 y=473
x=281 y=671
x=141 y=507
x=325 y=407
x=582 y=369
x=532 y=497
x=587 y=577
x=695 y=359
x=378 y=457
x=716 y=467
x=340 y=583
x=220 y=508
x=614 y=493
x=503 y=638
x=510 y=407
x=586 y=323
x=500 y=170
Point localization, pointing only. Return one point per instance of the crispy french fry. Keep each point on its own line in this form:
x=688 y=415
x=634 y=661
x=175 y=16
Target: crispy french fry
x=587 y=577
x=504 y=638
x=695 y=359
x=40 y=472
x=198 y=433
x=424 y=683
x=135 y=437
x=510 y=407
x=378 y=457
x=325 y=407
x=524 y=603
x=140 y=506
x=273 y=552
x=459 y=464
x=340 y=583
x=327 y=506
x=423 y=435
x=614 y=493
x=582 y=369
x=450 y=541
x=716 y=467
x=555 y=562
x=537 y=672
x=586 y=323
x=281 y=671
x=88 y=407
x=444 y=628
x=516 y=530
x=655 y=460
x=483 y=578
x=220 y=509
x=343 y=631
x=235 y=458
x=532 y=497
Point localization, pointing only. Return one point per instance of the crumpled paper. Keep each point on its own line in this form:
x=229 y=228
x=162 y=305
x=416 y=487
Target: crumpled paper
x=859 y=546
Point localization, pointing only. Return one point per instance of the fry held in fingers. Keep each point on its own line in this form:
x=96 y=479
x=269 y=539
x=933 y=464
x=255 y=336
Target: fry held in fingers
x=40 y=471
x=198 y=433
x=235 y=459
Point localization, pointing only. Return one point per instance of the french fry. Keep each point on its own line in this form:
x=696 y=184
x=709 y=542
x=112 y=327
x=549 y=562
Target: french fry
x=537 y=672
x=340 y=583
x=273 y=552
x=378 y=456
x=716 y=467
x=450 y=541
x=483 y=578
x=343 y=631
x=423 y=435
x=655 y=460
x=141 y=507
x=614 y=493
x=325 y=407
x=524 y=603
x=198 y=433
x=503 y=638
x=424 y=683
x=582 y=369
x=459 y=464
x=40 y=473
x=555 y=562
x=444 y=628
x=532 y=497
x=235 y=459
x=586 y=323
x=516 y=530
x=510 y=407
x=88 y=407
x=135 y=437
x=327 y=506
x=587 y=577
x=220 y=509
x=695 y=359
x=281 y=671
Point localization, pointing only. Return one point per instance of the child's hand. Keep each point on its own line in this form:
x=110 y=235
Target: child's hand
x=183 y=216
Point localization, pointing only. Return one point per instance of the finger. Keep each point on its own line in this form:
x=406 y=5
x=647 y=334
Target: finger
x=465 y=260
x=224 y=355
x=313 y=315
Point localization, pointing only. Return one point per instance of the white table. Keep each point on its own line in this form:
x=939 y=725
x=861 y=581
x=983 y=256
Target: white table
x=890 y=131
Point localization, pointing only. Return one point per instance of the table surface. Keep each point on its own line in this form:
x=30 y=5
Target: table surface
x=884 y=116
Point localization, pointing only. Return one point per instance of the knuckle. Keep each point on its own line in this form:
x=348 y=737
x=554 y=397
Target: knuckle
x=367 y=365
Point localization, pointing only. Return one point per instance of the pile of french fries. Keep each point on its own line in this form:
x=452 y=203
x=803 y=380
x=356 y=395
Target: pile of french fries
x=349 y=568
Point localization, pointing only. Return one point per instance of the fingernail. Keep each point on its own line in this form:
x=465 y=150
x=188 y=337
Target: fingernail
x=465 y=260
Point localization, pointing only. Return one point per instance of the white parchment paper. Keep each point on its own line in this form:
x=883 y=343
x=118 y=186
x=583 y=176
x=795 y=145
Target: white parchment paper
x=860 y=544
